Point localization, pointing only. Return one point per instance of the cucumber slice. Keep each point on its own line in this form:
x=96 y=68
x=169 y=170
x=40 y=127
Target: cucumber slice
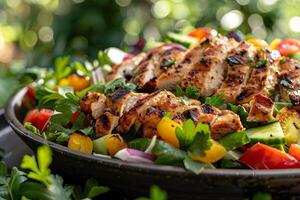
x=268 y=134
x=234 y=140
x=184 y=40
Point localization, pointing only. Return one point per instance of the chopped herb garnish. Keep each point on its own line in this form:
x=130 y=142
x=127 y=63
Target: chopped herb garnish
x=261 y=63
x=249 y=59
x=192 y=92
x=217 y=101
x=179 y=91
x=168 y=63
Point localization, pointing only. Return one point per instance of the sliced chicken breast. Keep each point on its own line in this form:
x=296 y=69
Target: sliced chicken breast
x=207 y=69
x=263 y=76
x=238 y=64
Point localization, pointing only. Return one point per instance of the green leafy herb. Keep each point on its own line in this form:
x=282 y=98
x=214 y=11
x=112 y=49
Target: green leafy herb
x=261 y=63
x=194 y=166
x=202 y=140
x=155 y=194
x=103 y=58
x=80 y=69
x=192 y=92
x=61 y=67
x=231 y=164
x=28 y=126
x=234 y=140
x=261 y=196
x=179 y=92
x=119 y=83
x=167 y=154
x=168 y=63
x=10 y=185
x=91 y=190
x=139 y=144
x=186 y=134
x=47 y=98
x=241 y=111
x=217 y=101
x=39 y=170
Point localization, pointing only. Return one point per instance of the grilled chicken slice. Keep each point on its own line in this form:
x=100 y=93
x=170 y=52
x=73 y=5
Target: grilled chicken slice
x=289 y=81
x=263 y=76
x=222 y=122
x=158 y=61
x=261 y=109
x=122 y=101
x=93 y=103
x=105 y=124
x=162 y=100
x=125 y=68
x=207 y=69
x=227 y=122
x=238 y=69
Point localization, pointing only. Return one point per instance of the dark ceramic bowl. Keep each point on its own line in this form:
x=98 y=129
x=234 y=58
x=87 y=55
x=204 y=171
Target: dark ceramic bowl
x=137 y=178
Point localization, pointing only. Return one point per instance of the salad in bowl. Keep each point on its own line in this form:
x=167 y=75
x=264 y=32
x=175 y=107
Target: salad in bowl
x=196 y=101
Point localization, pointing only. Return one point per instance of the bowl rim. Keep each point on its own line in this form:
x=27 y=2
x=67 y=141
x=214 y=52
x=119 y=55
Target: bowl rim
x=17 y=126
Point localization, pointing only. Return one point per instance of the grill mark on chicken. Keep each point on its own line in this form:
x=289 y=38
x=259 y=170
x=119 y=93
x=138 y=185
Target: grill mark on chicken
x=261 y=109
x=125 y=68
x=146 y=73
x=238 y=71
x=207 y=69
x=289 y=81
x=263 y=76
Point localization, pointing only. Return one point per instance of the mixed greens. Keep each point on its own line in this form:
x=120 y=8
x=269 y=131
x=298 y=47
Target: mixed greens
x=54 y=104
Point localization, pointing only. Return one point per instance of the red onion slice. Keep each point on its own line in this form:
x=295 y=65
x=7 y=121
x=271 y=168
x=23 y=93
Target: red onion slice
x=133 y=155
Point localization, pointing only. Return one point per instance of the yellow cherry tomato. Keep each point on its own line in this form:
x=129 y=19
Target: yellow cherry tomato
x=64 y=82
x=215 y=153
x=82 y=143
x=274 y=43
x=258 y=43
x=166 y=130
x=78 y=82
x=114 y=144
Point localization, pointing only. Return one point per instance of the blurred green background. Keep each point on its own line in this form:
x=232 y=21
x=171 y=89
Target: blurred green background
x=34 y=32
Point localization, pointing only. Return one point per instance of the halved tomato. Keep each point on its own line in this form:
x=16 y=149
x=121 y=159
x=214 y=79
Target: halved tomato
x=288 y=46
x=39 y=118
x=261 y=156
x=200 y=33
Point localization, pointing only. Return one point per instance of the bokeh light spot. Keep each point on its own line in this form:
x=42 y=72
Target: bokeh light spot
x=161 y=9
x=294 y=24
x=123 y=3
x=46 y=34
x=232 y=20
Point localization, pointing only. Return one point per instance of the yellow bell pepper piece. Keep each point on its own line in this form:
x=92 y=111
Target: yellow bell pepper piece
x=215 y=153
x=166 y=130
x=78 y=82
x=274 y=43
x=114 y=144
x=79 y=142
x=64 y=82
x=258 y=43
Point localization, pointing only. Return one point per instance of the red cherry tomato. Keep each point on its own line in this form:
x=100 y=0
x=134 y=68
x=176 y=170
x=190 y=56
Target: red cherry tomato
x=39 y=118
x=74 y=116
x=200 y=33
x=288 y=46
x=295 y=151
x=261 y=156
x=29 y=97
